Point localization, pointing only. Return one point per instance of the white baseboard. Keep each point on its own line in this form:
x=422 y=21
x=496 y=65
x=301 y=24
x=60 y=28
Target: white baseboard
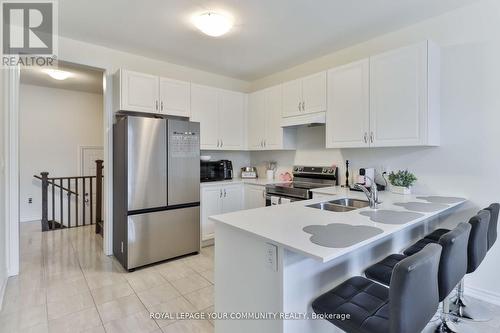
x=2 y=291
x=207 y=242
x=29 y=219
x=483 y=295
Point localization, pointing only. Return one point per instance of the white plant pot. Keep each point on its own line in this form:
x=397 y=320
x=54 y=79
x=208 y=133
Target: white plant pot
x=400 y=189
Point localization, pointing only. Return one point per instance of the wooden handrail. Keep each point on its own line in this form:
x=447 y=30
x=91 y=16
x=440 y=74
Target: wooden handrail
x=83 y=202
x=75 y=177
x=51 y=181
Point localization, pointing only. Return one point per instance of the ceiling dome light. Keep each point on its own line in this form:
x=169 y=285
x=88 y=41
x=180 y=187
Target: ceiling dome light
x=57 y=74
x=213 y=24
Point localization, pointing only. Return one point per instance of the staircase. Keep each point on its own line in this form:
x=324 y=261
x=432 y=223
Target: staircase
x=72 y=201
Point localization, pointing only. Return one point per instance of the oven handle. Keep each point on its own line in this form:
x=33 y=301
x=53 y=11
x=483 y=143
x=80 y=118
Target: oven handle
x=268 y=199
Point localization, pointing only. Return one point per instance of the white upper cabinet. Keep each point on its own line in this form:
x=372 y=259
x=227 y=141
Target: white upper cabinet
x=137 y=92
x=231 y=120
x=273 y=131
x=204 y=109
x=256 y=119
x=175 y=97
x=348 y=113
x=404 y=97
x=292 y=98
x=221 y=114
x=141 y=92
x=388 y=100
x=314 y=93
x=305 y=95
x=264 y=121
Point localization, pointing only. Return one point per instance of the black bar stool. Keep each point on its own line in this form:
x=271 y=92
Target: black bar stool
x=480 y=242
x=452 y=269
x=407 y=306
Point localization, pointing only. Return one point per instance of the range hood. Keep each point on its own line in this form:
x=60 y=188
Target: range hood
x=318 y=118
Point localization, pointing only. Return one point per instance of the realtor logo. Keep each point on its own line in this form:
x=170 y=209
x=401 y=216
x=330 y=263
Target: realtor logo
x=28 y=30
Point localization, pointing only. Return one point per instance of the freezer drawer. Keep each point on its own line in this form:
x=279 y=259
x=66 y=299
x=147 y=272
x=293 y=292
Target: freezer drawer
x=162 y=235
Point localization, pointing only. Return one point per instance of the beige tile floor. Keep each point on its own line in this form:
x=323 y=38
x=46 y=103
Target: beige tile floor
x=66 y=284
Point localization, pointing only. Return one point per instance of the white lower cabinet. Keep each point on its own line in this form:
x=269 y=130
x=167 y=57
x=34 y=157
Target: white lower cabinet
x=255 y=196
x=217 y=200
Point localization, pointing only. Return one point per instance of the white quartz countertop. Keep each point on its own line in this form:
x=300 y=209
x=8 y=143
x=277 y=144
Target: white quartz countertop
x=256 y=181
x=283 y=224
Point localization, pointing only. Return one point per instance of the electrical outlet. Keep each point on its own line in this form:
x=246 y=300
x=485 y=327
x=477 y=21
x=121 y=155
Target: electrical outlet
x=30 y=200
x=272 y=256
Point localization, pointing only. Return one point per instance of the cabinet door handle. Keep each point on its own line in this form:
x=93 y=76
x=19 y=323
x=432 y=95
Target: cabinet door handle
x=217 y=143
x=265 y=143
x=220 y=193
x=225 y=194
x=299 y=106
x=365 y=137
x=303 y=106
x=221 y=143
x=371 y=137
x=156 y=105
x=161 y=105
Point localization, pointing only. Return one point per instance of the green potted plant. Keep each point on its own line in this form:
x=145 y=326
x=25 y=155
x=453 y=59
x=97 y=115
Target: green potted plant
x=402 y=181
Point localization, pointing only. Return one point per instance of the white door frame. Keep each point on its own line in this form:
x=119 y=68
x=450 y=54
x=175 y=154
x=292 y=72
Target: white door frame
x=11 y=132
x=80 y=157
x=11 y=149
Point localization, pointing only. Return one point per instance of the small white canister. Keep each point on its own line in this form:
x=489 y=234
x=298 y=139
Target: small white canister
x=270 y=174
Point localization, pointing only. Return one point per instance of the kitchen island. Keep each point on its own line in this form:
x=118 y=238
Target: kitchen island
x=278 y=259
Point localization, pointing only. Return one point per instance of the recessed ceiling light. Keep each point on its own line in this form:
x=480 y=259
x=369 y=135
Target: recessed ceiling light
x=213 y=24
x=57 y=74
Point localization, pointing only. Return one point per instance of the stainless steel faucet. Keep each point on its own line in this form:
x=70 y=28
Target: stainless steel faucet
x=372 y=194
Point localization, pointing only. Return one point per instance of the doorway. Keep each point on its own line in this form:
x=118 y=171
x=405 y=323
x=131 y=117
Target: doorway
x=11 y=87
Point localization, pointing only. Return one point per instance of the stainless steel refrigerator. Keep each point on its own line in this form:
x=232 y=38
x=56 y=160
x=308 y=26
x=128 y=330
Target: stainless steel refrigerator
x=156 y=182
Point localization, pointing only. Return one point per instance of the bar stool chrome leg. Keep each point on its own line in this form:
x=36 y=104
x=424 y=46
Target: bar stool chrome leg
x=469 y=309
x=446 y=325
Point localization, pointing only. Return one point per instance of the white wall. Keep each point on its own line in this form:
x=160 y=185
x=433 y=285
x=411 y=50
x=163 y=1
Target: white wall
x=54 y=123
x=112 y=60
x=468 y=161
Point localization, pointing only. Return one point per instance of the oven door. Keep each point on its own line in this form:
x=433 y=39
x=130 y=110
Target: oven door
x=272 y=200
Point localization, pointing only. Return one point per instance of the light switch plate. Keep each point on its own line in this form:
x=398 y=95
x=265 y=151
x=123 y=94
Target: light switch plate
x=272 y=256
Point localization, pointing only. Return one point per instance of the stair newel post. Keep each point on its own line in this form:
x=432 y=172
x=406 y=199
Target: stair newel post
x=45 y=203
x=98 y=196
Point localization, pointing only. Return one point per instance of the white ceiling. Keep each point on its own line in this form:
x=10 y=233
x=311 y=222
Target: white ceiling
x=269 y=35
x=83 y=78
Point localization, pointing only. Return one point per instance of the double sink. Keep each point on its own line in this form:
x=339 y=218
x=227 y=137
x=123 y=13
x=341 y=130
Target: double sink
x=341 y=205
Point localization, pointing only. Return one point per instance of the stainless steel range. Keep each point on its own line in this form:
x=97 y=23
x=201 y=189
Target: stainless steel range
x=305 y=178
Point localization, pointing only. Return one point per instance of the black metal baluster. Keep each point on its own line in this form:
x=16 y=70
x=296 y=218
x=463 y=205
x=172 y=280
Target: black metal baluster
x=91 y=201
x=53 y=201
x=61 y=202
x=69 y=202
x=98 y=198
x=84 y=196
x=76 y=201
x=45 y=204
